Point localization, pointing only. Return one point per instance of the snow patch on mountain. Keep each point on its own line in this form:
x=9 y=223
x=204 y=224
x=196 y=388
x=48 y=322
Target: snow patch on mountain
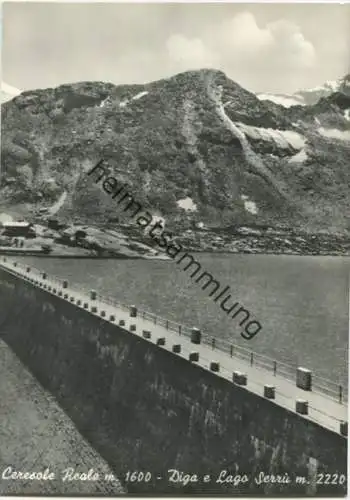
x=299 y=157
x=139 y=95
x=8 y=92
x=333 y=133
x=249 y=205
x=284 y=139
x=187 y=204
x=58 y=205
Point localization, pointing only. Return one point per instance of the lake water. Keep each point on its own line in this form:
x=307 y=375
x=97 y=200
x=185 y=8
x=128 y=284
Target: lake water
x=301 y=302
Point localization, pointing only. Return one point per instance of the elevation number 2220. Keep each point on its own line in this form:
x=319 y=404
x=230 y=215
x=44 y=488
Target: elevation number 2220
x=331 y=479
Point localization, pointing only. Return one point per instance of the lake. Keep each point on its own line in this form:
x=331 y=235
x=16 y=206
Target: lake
x=301 y=302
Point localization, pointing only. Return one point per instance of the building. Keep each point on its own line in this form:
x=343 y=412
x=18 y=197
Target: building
x=18 y=229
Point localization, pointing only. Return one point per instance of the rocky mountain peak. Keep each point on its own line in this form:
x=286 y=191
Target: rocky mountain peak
x=197 y=136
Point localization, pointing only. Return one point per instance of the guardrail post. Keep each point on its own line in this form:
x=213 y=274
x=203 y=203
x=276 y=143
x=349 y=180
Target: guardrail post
x=213 y=343
x=180 y=330
x=274 y=368
x=340 y=394
x=231 y=351
x=251 y=358
x=167 y=325
x=93 y=295
x=133 y=311
x=44 y=276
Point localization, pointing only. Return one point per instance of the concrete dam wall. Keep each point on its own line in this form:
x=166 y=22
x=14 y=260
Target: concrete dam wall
x=146 y=409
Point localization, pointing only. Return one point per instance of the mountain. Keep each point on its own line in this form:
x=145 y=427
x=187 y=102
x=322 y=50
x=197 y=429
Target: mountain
x=8 y=92
x=196 y=146
x=309 y=97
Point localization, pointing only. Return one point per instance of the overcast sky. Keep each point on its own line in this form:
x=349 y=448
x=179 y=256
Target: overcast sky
x=264 y=47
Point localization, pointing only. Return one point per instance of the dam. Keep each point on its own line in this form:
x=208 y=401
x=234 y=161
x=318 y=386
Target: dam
x=151 y=395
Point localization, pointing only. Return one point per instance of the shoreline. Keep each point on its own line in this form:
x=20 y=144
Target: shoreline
x=196 y=252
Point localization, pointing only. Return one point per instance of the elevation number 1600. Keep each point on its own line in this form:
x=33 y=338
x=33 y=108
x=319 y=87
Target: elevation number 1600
x=138 y=477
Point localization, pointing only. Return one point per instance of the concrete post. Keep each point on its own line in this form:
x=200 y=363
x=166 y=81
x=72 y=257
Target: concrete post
x=28 y=269
x=133 y=311
x=196 y=336
x=176 y=348
x=94 y=309
x=302 y=406
x=343 y=428
x=146 y=334
x=65 y=284
x=269 y=391
x=103 y=314
x=79 y=302
x=86 y=305
x=44 y=276
x=239 y=378
x=122 y=322
x=304 y=379
x=214 y=366
x=93 y=295
x=161 y=341
x=133 y=328
x=112 y=318
x=194 y=356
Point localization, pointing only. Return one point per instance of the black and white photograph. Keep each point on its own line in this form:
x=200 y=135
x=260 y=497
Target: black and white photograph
x=174 y=249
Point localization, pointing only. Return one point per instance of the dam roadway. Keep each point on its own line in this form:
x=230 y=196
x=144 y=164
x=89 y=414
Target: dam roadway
x=325 y=404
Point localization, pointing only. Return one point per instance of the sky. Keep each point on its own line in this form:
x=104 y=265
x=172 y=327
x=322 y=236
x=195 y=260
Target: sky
x=277 y=48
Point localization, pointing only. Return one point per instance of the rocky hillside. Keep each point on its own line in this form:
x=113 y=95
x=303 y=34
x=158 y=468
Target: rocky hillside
x=196 y=147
